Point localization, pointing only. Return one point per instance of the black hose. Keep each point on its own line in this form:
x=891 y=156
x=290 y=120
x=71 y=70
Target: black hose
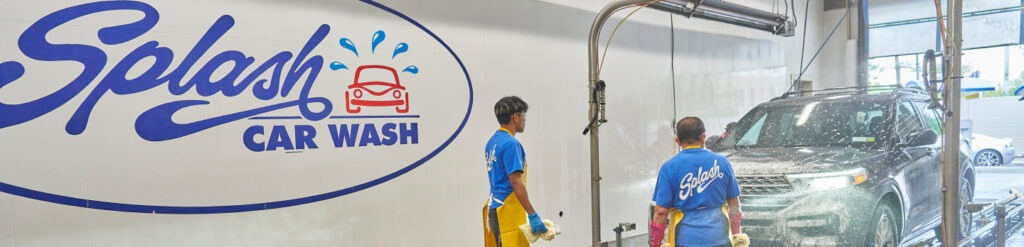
x=593 y=97
x=803 y=43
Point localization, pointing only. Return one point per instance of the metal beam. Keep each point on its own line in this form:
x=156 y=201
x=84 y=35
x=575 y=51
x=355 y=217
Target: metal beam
x=862 y=43
x=595 y=169
x=717 y=10
x=951 y=130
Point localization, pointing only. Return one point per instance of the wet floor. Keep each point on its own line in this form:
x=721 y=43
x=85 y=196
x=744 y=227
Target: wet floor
x=993 y=183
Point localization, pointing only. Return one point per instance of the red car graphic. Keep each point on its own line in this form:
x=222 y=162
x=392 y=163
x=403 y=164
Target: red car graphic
x=376 y=85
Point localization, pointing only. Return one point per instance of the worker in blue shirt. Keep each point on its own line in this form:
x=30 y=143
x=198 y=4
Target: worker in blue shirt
x=509 y=204
x=698 y=187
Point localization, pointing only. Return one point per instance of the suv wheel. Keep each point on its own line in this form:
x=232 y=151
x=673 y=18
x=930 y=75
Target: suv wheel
x=966 y=219
x=966 y=193
x=882 y=231
x=988 y=158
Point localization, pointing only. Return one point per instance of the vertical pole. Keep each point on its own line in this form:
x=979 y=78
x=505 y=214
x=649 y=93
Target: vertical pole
x=862 y=43
x=898 y=79
x=618 y=236
x=917 y=67
x=951 y=148
x=1006 y=64
x=594 y=67
x=1000 y=225
x=595 y=184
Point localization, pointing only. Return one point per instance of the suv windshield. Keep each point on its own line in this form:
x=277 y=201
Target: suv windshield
x=830 y=123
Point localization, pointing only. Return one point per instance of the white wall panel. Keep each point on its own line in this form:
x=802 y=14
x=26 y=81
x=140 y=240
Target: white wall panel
x=536 y=50
x=837 y=63
x=719 y=76
x=998 y=117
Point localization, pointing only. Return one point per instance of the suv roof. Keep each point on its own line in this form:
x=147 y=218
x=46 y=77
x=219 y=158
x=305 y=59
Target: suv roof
x=870 y=93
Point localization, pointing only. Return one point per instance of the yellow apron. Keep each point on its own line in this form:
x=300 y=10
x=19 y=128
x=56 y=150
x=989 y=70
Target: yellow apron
x=675 y=217
x=510 y=216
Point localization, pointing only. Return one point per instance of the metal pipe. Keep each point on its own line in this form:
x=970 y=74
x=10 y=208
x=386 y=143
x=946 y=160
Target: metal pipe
x=951 y=130
x=730 y=13
x=618 y=237
x=716 y=10
x=595 y=170
x=1001 y=225
x=740 y=9
x=702 y=10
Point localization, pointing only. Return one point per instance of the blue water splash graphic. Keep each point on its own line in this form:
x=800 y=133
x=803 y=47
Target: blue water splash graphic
x=347 y=44
x=377 y=38
x=399 y=49
x=338 y=65
x=412 y=69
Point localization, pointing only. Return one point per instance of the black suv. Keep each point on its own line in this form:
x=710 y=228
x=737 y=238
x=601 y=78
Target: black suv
x=848 y=166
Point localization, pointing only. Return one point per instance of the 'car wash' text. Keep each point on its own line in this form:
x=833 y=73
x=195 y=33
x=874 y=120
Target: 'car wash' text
x=260 y=138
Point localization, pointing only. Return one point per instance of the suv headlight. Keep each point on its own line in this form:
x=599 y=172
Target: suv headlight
x=827 y=180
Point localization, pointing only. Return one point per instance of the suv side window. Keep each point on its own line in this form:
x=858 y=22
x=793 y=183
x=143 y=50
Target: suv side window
x=907 y=121
x=930 y=117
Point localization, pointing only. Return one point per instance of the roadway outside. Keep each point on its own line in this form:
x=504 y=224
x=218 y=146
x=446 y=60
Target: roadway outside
x=995 y=182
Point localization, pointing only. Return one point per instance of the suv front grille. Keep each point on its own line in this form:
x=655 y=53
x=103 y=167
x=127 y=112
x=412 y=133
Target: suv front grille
x=763 y=184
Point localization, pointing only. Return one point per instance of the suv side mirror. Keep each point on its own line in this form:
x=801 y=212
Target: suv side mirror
x=712 y=143
x=920 y=138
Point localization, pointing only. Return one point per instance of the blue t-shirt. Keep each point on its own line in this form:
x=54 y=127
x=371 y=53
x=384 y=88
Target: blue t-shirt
x=504 y=156
x=698 y=182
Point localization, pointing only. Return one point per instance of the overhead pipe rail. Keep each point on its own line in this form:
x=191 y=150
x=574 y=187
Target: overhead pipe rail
x=714 y=10
x=729 y=13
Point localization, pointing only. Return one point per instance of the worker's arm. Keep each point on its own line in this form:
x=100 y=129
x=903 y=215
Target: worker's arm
x=735 y=214
x=516 y=179
x=732 y=191
x=660 y=215
x=658 y=225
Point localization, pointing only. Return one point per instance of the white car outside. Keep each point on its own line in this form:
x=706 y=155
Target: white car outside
x=991 y=151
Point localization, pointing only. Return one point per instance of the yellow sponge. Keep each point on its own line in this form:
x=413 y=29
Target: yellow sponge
x=740 y=240
x=549 y=235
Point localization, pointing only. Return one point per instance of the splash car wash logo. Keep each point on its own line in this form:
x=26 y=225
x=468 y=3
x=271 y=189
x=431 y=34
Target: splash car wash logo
x=698 y=182
x=373 y=86
x=385 y=91
x=185 y=87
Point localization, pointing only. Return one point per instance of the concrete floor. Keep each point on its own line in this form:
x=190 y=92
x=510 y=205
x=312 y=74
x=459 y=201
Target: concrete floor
x=994 y=182
x=635 y=241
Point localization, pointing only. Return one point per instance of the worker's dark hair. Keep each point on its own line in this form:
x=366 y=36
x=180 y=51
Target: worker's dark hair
x=689 y=129
x=507 y=106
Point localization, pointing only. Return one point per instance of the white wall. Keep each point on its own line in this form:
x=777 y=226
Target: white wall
x=838 y=63
x=998 y=117
x=536 y=50
x=723 y=71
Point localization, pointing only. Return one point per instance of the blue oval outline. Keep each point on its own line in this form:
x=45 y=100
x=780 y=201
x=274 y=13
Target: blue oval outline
x=153 y=209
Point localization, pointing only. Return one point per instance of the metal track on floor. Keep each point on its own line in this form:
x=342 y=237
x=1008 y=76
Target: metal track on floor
x=993 y=223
